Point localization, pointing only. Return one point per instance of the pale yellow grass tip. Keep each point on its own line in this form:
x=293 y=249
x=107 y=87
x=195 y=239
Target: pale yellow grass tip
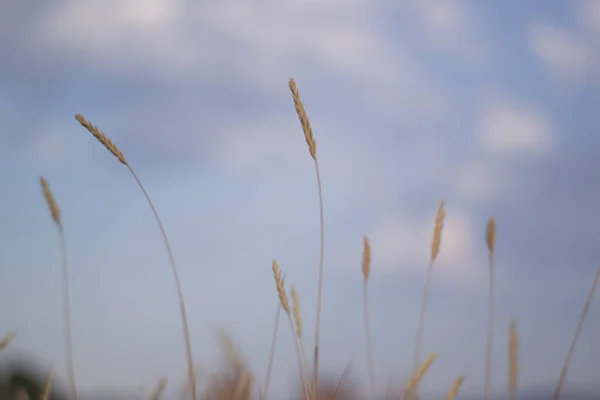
x=513 y=356
x=420 y=373
x=297 y=315
x=366 y=258
x=304 y=121
x=454 y=389
x=490 y=235
x=280 y=287
x=102 y=138
x=5 y=341
x=159 y=389
x=436 y=240
x=52 y=204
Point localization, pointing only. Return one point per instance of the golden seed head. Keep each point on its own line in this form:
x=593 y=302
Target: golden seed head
x=51 y=201
x=297 y=315
x=420 y=373
x=366 y=258
x=490 y=235
x=304 y=121
x=437 y=231
x=279 y=285
x=454 y=390
x=102 y=138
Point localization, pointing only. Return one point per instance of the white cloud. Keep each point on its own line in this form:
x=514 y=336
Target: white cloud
x=402 y=243
x=448 y=25
x=512 y=128
x=566 y=55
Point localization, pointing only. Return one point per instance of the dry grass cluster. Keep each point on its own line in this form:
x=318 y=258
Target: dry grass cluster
x=236 y=381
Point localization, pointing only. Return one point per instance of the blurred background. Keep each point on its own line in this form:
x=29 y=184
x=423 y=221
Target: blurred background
x=491 y=106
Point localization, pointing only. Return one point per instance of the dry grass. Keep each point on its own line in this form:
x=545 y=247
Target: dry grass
x=236 y=381
x=454 y=389
x=110 y=146
x=436 y=241
x=55 y=213
x=312 y=149
x=418 y=375
x=366 y=271
x=304 y=375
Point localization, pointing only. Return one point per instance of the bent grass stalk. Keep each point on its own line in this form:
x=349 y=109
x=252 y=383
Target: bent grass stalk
x=490 y=238
x=563 y=372
x=312 y=149
x=366 y=270
x=110 y=146
x=55 y=213
x=298 y=321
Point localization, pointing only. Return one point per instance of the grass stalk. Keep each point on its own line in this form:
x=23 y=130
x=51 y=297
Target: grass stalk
x=265 y=390
x=563 y=372
x=66 y=302
x=110 y=146
x=491 y=244
x=312 y=148
x=366 y=270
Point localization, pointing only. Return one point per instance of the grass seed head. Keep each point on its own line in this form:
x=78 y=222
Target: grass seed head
x=437 y=231
x=102 y=138
x=304 y=121
x=52 y=204
x=366 y=258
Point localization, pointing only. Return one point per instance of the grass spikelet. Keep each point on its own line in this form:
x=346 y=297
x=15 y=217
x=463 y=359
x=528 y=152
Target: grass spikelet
x=280 y=287
x=5 y=341
x=312 y=148
x=284 y=301
x=55 y=213
x=454 y=389
x=159 y=389
x=51 y=201
x=490 y=238
x=586 y=307
x=296 y=308
x=513 y=360
x=366 y=258
x=366 y=270
x=436 y=241
x=418 y=375
x=102 y=138
x=304 y=121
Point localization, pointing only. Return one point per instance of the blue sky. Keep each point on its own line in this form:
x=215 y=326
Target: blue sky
x=490 y=106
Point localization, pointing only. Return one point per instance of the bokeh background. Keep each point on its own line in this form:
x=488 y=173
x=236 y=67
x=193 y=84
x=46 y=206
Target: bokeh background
x=492 y=106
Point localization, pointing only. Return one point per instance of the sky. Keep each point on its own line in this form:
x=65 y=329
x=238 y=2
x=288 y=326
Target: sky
x=490 y=106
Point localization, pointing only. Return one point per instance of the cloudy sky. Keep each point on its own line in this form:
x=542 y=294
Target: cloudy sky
x=491 y=106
